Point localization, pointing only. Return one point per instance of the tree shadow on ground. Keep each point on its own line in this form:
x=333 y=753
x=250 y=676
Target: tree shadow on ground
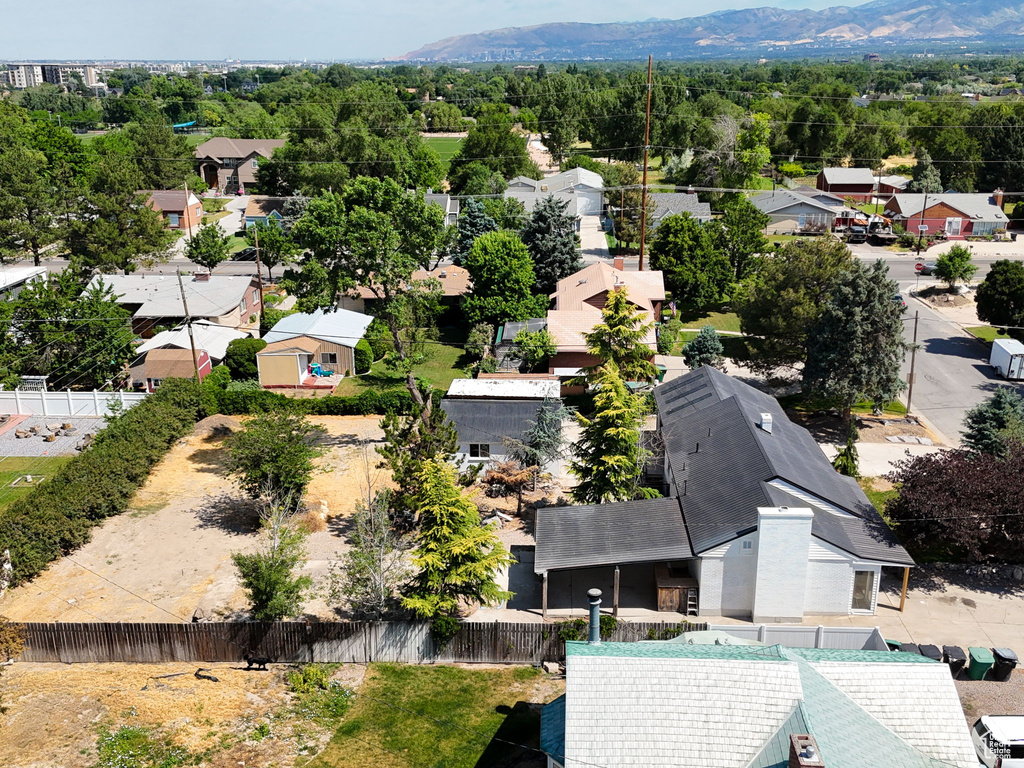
x=521 y=727
x=955 y=346
x=348 y=440
x=210 y=460
x=230 y=513
x=936 y=578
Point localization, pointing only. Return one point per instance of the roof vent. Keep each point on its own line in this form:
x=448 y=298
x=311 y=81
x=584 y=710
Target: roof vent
x=803 y=751
x=443 y=273
x=766 y=422
x=543 y=187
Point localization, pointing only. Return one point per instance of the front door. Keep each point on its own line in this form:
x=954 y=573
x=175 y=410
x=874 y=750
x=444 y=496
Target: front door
x=953 y=226
x=863 y=590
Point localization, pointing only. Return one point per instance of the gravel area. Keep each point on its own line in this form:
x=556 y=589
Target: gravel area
x=988 y=697
x=35 y=445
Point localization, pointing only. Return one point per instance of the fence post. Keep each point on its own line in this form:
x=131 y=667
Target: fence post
x=42 y=399
x=17 y=400
x=762 y=633
x=71 y=407
x=120 y=394
x=819 y=636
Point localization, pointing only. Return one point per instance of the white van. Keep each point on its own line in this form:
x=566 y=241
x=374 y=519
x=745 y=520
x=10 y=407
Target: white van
x=999 y=740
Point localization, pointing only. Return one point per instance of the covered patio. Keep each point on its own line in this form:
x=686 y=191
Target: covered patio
x=636 y=551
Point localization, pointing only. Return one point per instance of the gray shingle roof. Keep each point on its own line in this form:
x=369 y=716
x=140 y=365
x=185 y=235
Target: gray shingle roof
x=668 y=203
x=488 y=420
x=781 y=199
x=976 y=206
x=641 y=531
x=723 y=465
x=160 y=296
x=849 y=176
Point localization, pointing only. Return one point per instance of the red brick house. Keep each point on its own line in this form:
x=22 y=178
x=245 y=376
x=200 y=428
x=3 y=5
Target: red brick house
x=956 y=214
x=180 y=210
x=855 y=183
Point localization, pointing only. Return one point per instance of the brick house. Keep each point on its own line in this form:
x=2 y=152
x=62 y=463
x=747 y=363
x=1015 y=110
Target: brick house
x=955 y=214
x=180 y=210
x=856 y=183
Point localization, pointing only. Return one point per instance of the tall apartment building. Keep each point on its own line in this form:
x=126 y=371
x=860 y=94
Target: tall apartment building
x=31 y=75
x=25 y=75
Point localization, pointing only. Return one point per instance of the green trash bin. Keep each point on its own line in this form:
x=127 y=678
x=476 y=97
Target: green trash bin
x=981 y=662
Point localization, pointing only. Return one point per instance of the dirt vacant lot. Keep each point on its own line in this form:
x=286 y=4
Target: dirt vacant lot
x=170 y=556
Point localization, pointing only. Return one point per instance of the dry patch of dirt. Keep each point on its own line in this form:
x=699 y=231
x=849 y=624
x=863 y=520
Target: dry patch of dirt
x=940 y=298
x=830 y=428
x=55 y=711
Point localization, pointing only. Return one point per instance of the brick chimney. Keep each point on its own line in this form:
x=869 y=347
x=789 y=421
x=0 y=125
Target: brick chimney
x=202 y=277
x=619 y=262
x=803 y=751
x=997 y=198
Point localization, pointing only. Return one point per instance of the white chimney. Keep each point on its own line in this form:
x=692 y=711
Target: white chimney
x=766 y=422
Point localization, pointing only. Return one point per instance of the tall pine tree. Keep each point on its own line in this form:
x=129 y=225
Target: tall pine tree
x=550 y=234
x=855 y=348
x=458 y=560
x=985 y=425
x=607 y=459
x=619 y=339
x=473 y=222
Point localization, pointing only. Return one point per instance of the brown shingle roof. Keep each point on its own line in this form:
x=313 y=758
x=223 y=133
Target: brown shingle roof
x=454 y=281
x=173 y=200
x=221 y=146
x=264 y=205
x=303 y=343
x=643 y=288
x=169 y=363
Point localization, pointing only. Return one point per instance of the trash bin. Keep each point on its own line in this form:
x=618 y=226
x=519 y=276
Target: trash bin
x=981 y=662
x=910 y=648
x=931 y=651
x=956 y=658
x=894 y=645
x=1013 y=236
x=1005 y=661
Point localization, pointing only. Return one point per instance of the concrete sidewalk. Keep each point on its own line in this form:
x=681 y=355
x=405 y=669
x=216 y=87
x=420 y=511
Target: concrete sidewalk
x=879 y=459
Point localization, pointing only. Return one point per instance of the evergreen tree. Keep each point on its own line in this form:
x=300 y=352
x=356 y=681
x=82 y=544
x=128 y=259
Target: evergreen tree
x=696 y=269
x=550 y=234
x=503 y=281
x=925 y=176
x=456 y=557
x=856 y=347
x=1000 y=296
x=705 y=349
x=608 y=459
x=986 y=425
x=208 y=247
x=473 y=222
x=619 y=339
x=845 y=462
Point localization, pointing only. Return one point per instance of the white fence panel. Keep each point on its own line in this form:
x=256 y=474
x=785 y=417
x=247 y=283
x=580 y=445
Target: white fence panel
x=800 y=636
x=66 y=403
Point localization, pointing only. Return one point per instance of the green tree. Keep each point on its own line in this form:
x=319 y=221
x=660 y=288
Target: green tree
x=925 y=176
x=272 y=455
x=240 y=358
x=608 y=459
x=208 y=247
x=543 y=442
x=507 y=212
x=276 y=246
x=503 y=279
x=268 y=575
x=782 y=301
x=619 y=339
x=1000 y=296
x=472 y=223
x=163 y=157
x=855 y=348
x=704 y=349
x=687 y=252
x=493 y=142
x=533 y=347
x=475 y=178
x=954 y=266
x=550 y=235
x=115 y=229
x=986 y=425
x=741 y=239
x=478 y=343
x=457 y=559
x=845 y=462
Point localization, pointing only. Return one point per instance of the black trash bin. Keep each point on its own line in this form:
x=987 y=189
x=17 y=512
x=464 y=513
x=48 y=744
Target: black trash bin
x=910 y=648
x=931 y=651
x=955 y=657
x=1006 y=660
x=1013 y=236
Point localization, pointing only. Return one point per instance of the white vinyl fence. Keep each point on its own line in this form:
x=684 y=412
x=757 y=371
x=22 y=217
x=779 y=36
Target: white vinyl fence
x=65 y=403
x=798 y=636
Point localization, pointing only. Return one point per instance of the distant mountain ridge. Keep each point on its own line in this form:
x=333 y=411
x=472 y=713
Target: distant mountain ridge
x=881 y=21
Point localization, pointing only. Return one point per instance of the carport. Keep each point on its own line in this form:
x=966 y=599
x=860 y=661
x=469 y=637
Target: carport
x=648 y=531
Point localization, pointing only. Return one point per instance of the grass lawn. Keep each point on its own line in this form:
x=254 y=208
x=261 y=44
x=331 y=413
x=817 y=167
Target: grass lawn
x=797 y=402
x=445 y=146
x=878 y=498
x=987 y=333
x=734 y=347
x=236 y=244
x=697 y=318
x=445 y=361
x=212 y=217
x=407 y=716
x=780 y=239
x=870 y=208
x=13 y=467
x=195 y=139
x=214 y=204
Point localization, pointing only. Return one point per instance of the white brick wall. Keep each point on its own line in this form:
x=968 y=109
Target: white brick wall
x=829 y=587
x=727 y=579
x=783 y=544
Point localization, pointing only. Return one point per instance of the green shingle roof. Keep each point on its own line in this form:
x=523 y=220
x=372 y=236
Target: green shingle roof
x=662 y=650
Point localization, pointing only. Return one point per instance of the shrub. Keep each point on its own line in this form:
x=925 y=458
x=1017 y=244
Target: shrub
x=579 y=629
x=241 y=358
x=370 y=402
x=56 y=517
x=792 y=170
x=379 y=338
x=363 y=354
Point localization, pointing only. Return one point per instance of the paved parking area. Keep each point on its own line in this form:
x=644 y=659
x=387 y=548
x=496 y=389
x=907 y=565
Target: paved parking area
x=35 y=445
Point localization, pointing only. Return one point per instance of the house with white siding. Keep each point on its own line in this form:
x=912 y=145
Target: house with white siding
x=756 y=523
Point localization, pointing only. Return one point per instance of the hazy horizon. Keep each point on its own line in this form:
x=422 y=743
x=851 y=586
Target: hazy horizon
x=299 y=29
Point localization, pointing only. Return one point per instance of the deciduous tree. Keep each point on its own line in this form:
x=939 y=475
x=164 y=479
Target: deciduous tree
x=503 y=279
x=208 y=247
x=696 y=269
x=954 y=266
x=272 y=456
x=741 y=239
x=240 y=358
x=276 y=246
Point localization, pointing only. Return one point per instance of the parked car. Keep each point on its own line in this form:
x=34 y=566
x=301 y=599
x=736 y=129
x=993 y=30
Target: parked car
x=898 y=298
x=857 y=235
x=246 y=254
x=928 y=269
x=999 y=741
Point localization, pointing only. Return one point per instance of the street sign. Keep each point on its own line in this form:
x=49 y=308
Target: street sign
x=922 y=227
x=918 y=267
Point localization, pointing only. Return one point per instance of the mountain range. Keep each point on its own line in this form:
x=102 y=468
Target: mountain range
x=771 y=30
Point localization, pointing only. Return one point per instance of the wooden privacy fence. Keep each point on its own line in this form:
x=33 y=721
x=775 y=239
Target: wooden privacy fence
x=353 y=642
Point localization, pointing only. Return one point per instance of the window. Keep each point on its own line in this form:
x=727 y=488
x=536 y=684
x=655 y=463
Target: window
x=255 y=297
x=748 y=547
x=953 y=226
x=328 y=358
x=154 y=383
x=255 y=163
x=172 y=219
x=863 y=590
x=479 y=450
x=241 y=305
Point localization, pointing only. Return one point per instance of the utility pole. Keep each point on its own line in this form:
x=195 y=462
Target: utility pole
x=188 y=213
x=259 y=268
x=622 y=213
x=647 y=141
x=913 y=359
x=188 y=324
x=920 y=231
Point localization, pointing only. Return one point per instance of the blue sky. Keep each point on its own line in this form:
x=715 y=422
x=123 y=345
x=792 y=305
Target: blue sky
x=298 y=29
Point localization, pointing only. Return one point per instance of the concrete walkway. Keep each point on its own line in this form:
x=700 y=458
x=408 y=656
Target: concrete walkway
x=879 y=459
x=593 y=242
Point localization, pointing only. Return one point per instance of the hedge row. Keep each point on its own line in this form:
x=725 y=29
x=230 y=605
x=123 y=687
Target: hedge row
x=57 y=517
x=390 y=401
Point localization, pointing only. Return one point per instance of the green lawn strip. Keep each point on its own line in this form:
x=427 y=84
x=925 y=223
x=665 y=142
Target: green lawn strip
x=212 y=217
x=986 y=333
x=445 y=360
x=195 y=139
x=870 y=208
x=692 y=317
x=801 y=404
x=445 y=146
x=407 y=716
x=214 y=204
x=236 y=244
x=13 y=467
x=878 y=498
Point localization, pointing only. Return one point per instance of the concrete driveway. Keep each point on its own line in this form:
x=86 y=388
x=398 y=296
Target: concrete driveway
x=593 y=242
